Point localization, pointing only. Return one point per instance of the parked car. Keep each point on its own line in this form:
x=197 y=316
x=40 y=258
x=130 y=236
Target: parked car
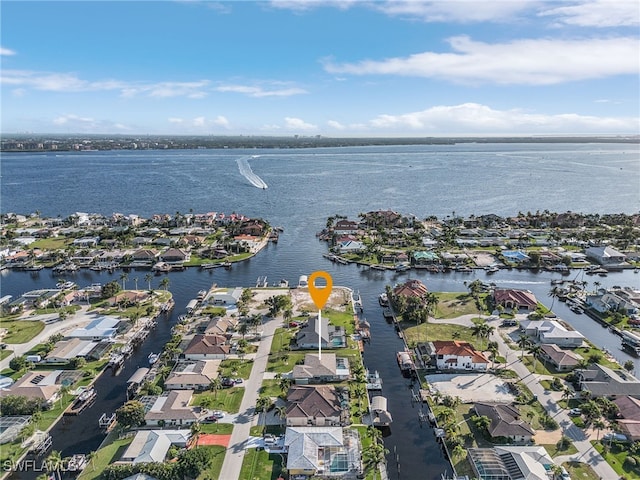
x=227 y=382
x=237 y=381
x=215 y=416
x=575 y=412
x=616 y=437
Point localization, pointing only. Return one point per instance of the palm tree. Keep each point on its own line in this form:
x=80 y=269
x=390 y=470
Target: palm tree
x=598 y=424
x=523 y=342
x=281 y=411
x=147 y=278
x=284 y=383
x=164 y=283
x=373 y=456
x=534 y=349
x=54 y=462
x=553 y=293
x=215 y=385
x=262 y=404
x=195 y=432
x=124 y=276
x=135 y=282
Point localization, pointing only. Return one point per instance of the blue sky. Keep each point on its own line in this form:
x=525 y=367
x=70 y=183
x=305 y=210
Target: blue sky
x=337 y=69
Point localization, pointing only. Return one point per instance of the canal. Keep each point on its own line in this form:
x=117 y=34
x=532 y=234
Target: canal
x=411 y=443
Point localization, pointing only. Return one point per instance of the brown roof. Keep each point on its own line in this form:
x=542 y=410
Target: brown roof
x=519 y=297
x=412 y=288
x=313 y=401
x=210 y=344
x=505 y=419
x=629 y=407
x=559 y=356
x=459 y=349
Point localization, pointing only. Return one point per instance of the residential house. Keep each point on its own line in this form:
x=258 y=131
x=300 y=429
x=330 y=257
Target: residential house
x=411 y=288
x=343 y=227
x=605 y=255
x=551 y=332
x=625 y=301
x=561 y=360
x=506 y=421
x=144 y=257
x=153 y=445
x=330 y=337
x=192 y=375
x=207 y=347
x=603 y=381
x=128 y=297
x=220 y=326
x=629 y=416
x=515 y=299
x=510 y=463
x=102 y=328
x=456 y=355
x=351 y=246
x=315 y=406
x=65 y=350
x=313 y=451
x=323 y=368
x=225 y=296
x=38 y=384
x=173 y=408
x=174 y=255
x=425 y=258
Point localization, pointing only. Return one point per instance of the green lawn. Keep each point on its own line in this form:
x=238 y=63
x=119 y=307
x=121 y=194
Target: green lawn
x=21 y=331
x=454 y=304
x=283 y=362
x=554 y=451
x=236 y=368
x=216 y=454
x=53 y=243
x=260 y=465
x=217 y=428
x=616 y=458
x=5 y=353
x=108 y=454
x=282 y=339
x=581 y=471
x=270 y=388
x=226 y=399
x=437 y=331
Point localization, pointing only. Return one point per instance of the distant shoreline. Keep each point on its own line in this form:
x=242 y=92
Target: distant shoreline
x=33 y=143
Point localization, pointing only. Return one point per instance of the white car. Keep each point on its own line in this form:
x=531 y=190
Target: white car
x=575 y=412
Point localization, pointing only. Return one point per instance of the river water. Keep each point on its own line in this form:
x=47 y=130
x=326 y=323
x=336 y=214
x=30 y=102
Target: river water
x=304 y=188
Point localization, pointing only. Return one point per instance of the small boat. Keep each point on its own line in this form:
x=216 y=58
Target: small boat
x=383 y=300
x=378 y=267
x=387 y=313
x=402 y=267
x=404 y=361
x=153 y=358
x=374 y=382
x=491 y=270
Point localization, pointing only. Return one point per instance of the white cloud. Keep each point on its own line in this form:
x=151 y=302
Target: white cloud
x=253 y=91
x=199 y=122
x=76 y=123
x=175 y=120
x=475 y=118
x=462 y=11
x=6 y=51
x=598 y=13
x=524 y=62
x=292 y=123
x=64 y=119
x=221 y=121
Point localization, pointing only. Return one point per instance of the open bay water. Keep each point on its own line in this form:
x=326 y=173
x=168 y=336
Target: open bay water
x=305 y=187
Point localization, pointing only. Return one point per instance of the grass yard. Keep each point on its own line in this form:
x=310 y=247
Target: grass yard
x=440 y=331
x=283 y=362
x=53 y=243
x=216 y=454
x=5 y=353
x=454 y=304
x=581 y=471
x=236 y=368
x=282 y=338
x=554 y=451
x=226 y=399
x=616 y=457
x=270 y=388
x=260 y=465
x=216 y=428
x=111 y=452
x=21 y=331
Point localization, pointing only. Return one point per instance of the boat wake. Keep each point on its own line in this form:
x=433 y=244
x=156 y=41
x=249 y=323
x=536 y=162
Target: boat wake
x=246 y=172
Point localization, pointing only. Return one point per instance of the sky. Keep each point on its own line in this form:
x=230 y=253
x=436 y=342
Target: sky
x=312 y=67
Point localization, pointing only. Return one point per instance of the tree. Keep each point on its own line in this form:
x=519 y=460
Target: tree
x=147 y=278
x=195 y=430
x=214 y=386
x=535 y=350
x=629 y=366
x=131 y=414
x=164 y=283
x=523 y=342
x=281 y=411
x=373 y=455
x=110 y=289
x=263 y=403
x=598 y=424
x=124 y=276
x=54 y=462
x=18 y=363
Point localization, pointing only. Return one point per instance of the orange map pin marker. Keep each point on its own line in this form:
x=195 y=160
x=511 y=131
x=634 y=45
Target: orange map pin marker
x=320 y=295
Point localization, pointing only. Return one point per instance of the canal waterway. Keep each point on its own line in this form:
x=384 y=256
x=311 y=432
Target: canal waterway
x=305 y=187
x=411 y=443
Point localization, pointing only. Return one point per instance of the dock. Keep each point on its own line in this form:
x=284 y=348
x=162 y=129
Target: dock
x=84 y=400
x=107 y=422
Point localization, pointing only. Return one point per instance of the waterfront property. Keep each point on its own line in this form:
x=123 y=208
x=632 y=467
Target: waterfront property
x=330 y=336
x=173 y=409
x=514 y=299
x=455 y=355
x=99 y=329
x=153 y=445
x=551 y=332
x=629 y=416
x=318 y=405
x=603 y=381
x=38 y=384
x=506 y=421
x=562 y=360
x=192 y=375
x=321 y=369
x=207 y=347
x=510 y=462
x=322 y=451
